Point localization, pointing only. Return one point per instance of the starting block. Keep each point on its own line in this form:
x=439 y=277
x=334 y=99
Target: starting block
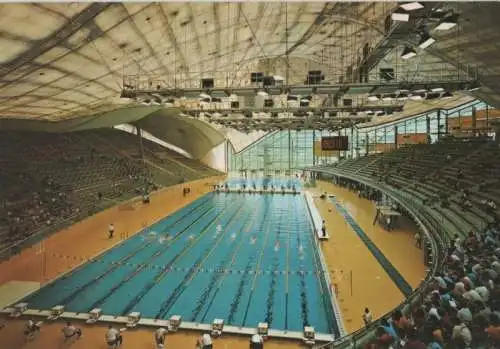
x=56 y=312
x=263 y=329
x=94 y=315
x=217 y=327
x=19 y=309
x=174 y=323
x=309 y=335
x=133 y=318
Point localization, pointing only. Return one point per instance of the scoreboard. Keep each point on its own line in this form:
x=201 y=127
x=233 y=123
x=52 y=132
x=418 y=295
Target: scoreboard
x=335 y=143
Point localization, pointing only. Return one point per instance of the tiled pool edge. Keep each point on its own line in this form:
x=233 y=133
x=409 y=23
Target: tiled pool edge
x=191 y=326
x=333 y=299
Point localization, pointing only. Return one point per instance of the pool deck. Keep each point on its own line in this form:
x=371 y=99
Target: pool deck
x=359 y=279
x=86 y=239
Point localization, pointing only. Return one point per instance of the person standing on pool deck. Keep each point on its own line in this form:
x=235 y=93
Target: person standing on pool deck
x=256 y=342
x=205 y=342
x=160 y=337
x=114 y=338
x=323 y=229
x=111 y=230
x=69 y=331
x=367 y=317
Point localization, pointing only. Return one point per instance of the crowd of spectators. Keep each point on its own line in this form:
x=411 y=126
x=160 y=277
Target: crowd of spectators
x=457 y=181
x=50 y=180
x=462 y=305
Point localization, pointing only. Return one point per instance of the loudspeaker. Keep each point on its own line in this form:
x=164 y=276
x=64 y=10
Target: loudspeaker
x=256 y=77
x=268 y=103
x=268 y=81
x=386 y=74
x=207 y=83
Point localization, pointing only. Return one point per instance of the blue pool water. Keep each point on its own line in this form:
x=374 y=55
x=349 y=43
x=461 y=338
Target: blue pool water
x=245 y=258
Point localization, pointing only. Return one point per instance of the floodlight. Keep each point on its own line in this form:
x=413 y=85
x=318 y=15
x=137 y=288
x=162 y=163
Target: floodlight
x=437 y=89
x=446 y=95
x=411 y=6
x=473 y=87
x=433 y=95
x=417 y=95
x=408 y=53
x=448 y=22
x=403 y=95
x=425 y=41
x=400 y=16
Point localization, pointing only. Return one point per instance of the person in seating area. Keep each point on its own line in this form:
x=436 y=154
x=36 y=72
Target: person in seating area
x=70 y=331
x=460 y=307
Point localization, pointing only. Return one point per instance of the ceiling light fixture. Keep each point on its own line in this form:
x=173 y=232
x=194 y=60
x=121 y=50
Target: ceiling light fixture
x=408 y=53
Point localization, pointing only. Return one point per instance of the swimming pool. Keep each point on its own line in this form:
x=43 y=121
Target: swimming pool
x=244 y=258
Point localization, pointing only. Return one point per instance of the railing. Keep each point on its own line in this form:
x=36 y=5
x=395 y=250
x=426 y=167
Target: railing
x=233 y=79
x=431 y=229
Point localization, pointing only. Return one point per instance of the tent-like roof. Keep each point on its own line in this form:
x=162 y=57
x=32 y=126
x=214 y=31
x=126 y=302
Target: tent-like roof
x=63 y=60
x=66 y=61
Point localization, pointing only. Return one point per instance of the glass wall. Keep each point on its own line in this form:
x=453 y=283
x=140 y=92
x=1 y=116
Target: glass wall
x=282 y=151
x=289 y=150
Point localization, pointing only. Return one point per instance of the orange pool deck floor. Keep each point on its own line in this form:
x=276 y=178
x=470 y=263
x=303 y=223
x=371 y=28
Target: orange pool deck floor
x=359 y=278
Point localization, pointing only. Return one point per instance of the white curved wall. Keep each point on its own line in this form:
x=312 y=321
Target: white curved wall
x=132 y=129
x=216 y=157
x=240 y=140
